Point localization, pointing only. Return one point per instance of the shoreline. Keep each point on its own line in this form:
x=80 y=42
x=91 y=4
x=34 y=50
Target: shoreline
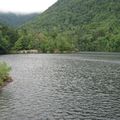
x=6 y=82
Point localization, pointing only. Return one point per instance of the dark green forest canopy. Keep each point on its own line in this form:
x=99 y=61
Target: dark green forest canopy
x=91 y=25
x=72 y=25
x=8 y=37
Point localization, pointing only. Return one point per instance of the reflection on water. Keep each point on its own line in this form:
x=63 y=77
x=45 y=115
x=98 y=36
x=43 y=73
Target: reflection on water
x=62 y=87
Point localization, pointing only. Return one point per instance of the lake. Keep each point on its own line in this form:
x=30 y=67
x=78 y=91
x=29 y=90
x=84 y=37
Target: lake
x=82 y=86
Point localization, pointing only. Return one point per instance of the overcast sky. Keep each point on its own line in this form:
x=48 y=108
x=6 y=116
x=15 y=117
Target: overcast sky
x=25 y=6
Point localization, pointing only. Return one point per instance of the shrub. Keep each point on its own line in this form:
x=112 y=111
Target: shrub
x=4 y=72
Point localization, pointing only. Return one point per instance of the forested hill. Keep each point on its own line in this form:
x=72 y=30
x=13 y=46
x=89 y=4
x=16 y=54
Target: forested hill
x=15 y=20
x=89 y=25
x=67 y=26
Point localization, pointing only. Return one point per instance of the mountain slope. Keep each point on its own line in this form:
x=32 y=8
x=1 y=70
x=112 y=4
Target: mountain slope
x=16 y=20
x=77 y=12
x=91 y=25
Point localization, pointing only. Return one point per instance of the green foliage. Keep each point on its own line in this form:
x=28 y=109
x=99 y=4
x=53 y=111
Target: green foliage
x=91 y=25
x=68 y=25
x=23 y=41
x=4 y=72
x=8 y=37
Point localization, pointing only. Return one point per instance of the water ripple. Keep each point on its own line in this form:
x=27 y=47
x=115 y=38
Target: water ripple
x=62 y=87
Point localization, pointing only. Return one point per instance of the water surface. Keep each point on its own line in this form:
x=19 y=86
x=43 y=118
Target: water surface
x=82 y=86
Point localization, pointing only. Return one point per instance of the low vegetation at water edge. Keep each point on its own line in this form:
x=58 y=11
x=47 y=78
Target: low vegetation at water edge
x=4 y=73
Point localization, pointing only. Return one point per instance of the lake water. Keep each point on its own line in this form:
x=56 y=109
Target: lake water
x=82 y=86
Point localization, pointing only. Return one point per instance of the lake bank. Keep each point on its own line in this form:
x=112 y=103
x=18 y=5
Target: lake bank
x=6 y=82
x=35 y=51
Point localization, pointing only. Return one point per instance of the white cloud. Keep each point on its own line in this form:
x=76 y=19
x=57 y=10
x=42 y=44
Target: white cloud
x=25 y=6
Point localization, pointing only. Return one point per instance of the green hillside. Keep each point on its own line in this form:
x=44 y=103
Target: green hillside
x=67 y=26
x=87 y=25
x=15 y=20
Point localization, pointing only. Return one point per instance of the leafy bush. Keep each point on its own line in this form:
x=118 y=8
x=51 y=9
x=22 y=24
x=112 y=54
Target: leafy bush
x=4 y=72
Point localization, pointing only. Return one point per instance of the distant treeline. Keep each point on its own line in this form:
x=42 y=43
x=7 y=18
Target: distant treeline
x=15 y=40
x=16 y=19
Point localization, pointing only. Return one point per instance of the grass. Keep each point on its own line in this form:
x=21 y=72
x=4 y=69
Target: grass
x=4 y=72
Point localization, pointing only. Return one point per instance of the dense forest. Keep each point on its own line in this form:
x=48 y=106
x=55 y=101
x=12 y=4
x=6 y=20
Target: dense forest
x=69 y=25
x=8 y=37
